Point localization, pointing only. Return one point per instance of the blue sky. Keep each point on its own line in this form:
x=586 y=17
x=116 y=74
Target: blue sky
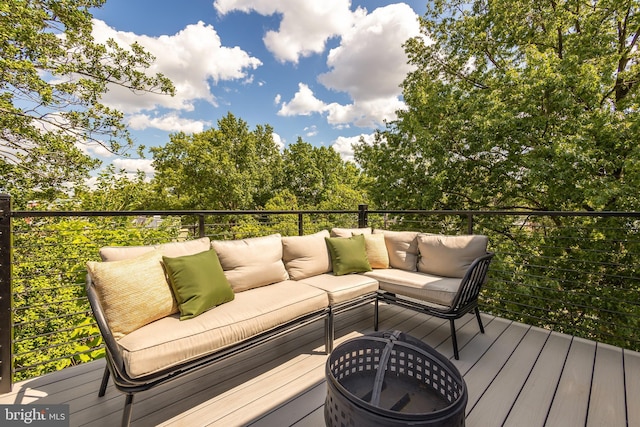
x=324 y=70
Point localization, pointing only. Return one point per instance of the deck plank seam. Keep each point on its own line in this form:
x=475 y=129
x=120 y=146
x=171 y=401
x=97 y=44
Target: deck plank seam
x=501 y=366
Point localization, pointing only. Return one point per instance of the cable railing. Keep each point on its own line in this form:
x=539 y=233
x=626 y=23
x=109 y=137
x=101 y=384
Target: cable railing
x=577 y=273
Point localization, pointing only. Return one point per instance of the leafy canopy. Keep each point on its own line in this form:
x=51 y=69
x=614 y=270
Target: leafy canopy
x=516 y=104
x=53 y=78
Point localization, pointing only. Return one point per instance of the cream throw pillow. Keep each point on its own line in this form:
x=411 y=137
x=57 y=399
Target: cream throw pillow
x=449 y=256
x=132 y=292
x=376 y=250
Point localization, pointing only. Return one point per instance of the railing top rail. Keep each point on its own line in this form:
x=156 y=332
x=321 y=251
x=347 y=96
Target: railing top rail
x=25 y=214
x=507 y=213
x=39 y=213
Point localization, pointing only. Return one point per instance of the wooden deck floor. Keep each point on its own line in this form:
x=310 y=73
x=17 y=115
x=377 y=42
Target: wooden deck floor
x=517 y=375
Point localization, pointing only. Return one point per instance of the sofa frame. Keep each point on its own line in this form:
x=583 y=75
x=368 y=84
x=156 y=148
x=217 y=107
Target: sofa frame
x=123 y=382
x=465 y=300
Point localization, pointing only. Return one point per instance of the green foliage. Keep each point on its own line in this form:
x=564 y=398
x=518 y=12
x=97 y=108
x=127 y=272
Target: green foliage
x=54 y=326
x=517 y=104
x=527 y=105
x=53 y=75
x=226 y=168
x=320 y=179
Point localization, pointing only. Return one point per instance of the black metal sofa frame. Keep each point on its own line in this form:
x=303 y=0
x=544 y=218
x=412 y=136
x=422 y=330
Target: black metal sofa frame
x=465 y=300
x=130 y=386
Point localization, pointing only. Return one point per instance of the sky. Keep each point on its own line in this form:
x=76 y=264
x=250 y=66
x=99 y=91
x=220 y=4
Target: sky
x=327 y=71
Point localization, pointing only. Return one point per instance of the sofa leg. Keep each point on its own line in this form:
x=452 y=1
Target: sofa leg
x=105 y=381
x=479 y=320
x=376 y=319
x=128 y=408
x=329 y=333
x=454 y=339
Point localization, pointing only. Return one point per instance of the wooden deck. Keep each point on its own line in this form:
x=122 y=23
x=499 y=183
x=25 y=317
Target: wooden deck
x=517 y=375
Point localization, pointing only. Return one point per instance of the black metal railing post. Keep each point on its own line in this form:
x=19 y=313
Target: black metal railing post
x=469 y=223
x=363 y=216
x=6 y=296
x=300 y=224
x=201 y=232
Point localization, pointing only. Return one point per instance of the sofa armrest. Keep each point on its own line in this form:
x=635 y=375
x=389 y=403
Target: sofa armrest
x=472 y=282
x=111 y=345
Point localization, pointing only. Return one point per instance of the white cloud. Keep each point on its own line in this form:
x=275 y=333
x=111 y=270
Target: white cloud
x=344 y=145
x=305 y=26
x=278 y=140
x=370 y=62
x=134 y=165
x=311 y=130
x=304 y=103
x=369 y=65
x=170 y=122
x=191 y=58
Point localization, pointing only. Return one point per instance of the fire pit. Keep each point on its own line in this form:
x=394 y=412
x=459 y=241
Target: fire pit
x=392 y=379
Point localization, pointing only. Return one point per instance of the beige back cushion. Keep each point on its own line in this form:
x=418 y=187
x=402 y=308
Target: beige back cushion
x=306 y=256
x=449 y=256
x=402 y=247
x=174 y=249
x=132 y=292
x=251 y=263
x=348 y=232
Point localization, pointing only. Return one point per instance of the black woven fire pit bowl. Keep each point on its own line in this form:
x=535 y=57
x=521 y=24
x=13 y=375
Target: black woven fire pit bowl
x=392 y=379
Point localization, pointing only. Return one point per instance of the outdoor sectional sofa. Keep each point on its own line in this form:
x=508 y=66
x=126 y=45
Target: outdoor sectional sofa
x=169 y=309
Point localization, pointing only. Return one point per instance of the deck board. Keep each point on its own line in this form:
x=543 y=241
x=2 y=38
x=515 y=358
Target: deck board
x=607 y=401
x=541 y=384
x=515 y=375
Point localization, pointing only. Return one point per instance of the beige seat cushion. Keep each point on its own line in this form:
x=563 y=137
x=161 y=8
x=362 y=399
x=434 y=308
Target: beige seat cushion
x=449 y=256
x=348 y=232
x=306 y=256
x=132 y=292
x=169 y=341
x=251 y=263
x=413 y=284
x=402 y=247
x=343 y=288
x=173 y=249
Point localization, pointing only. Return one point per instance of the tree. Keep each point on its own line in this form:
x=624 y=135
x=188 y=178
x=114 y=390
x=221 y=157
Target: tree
x=519 y=104
x=53 y=75
x=320 y=179
x=532 y=105
x=226 y=168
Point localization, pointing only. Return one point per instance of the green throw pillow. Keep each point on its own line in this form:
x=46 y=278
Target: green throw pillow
x=348 y=254
x=198 y=282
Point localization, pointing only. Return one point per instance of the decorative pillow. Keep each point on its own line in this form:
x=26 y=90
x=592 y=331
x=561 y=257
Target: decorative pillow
x=251 y=263
x=449 y=256
x=198 y=282
x=348 y=232
x=348 y=254
x=173 y=249
x=306 y=256
x=402 y=247
x=132 y=292
x=376 y=250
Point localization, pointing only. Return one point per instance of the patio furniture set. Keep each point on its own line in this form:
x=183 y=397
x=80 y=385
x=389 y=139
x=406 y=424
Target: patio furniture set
x=167 y=310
